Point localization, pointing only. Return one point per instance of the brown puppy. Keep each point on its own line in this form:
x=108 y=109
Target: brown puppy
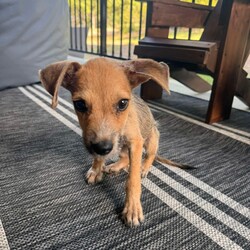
x=112 y=118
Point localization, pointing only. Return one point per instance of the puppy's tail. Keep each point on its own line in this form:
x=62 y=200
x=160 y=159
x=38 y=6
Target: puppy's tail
x=172 y=163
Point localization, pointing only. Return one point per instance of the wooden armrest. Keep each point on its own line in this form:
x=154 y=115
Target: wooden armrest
x=178 y=43
x=194 y=52
x=179 y=3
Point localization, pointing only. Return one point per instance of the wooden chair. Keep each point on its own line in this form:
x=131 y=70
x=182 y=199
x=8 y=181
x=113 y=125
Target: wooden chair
x=221 y=51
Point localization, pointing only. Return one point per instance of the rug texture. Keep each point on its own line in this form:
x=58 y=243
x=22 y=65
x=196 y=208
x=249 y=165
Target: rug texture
x=45 y=202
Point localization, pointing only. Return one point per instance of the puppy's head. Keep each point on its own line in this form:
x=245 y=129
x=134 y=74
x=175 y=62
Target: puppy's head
x=101 y=93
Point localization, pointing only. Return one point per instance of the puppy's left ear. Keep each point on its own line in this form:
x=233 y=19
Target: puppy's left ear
x=141 y=70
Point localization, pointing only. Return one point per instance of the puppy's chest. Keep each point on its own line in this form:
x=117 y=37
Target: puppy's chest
x=121 y=143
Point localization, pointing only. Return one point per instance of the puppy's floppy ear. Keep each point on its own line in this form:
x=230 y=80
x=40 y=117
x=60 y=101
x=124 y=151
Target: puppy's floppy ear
x=57 y=74
x=141 y=70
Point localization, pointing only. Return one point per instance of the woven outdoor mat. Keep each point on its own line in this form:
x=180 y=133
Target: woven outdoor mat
x=45 y=202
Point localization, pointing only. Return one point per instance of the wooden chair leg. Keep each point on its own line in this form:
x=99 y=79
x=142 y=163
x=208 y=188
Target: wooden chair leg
x=150 y=91
x=243 y=88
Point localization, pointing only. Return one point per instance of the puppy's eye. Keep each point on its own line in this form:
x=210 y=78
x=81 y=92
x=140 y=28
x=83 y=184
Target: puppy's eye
x=81 y=106
x=122 y=104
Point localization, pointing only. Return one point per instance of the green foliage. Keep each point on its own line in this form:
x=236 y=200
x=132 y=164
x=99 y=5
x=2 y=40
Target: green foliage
x=131 y=8
x=87 y=12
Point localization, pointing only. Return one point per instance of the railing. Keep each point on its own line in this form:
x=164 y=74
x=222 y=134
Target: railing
x=106 y=27
x=113 y=27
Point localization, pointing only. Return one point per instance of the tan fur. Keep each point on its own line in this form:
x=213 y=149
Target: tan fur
x=102 y=83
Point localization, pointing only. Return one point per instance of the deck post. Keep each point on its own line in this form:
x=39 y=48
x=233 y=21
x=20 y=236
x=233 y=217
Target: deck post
x=235 y=18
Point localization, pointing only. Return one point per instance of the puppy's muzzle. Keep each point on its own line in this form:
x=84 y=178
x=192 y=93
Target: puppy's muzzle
x=102 y=148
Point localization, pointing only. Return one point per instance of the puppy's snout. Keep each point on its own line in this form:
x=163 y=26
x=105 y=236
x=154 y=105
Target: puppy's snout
x=102 y=148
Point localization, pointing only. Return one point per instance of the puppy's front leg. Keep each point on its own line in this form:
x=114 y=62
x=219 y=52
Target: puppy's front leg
x=132 y=212
x=95 y=174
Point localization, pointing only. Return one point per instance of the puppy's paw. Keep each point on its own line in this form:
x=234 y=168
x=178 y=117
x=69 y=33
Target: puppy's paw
x=115 y=168
x=132 y=213
x=93 y=176
x=144 y=173
x=145 y=170
x=111 y=169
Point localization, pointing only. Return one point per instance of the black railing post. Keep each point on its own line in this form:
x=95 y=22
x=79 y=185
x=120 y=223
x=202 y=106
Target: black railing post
x=103 y=22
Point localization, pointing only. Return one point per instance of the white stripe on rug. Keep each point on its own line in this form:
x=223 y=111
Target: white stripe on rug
x=51 y=111
x=191 y=217
x=47 y=99
x=211 y=191
x=66 y=103
x=205 y=205
x=202 y=124
x=234 y=130
x=4 y=245
x=198 y=118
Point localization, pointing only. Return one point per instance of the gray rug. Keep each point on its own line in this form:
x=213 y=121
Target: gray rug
x=45 y=202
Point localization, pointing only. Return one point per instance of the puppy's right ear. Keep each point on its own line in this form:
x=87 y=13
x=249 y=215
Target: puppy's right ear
x=57 y=74
x=139 y=71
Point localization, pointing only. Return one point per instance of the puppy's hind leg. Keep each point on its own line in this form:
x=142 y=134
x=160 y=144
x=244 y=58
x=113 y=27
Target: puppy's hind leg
x=95 y=173
x=151 y=148
x=123 y=163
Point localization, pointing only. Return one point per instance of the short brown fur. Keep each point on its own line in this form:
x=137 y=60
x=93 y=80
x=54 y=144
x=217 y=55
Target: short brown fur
x=102 y=84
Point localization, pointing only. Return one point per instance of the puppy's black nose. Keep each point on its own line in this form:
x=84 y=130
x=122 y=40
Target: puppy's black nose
x=103 y=147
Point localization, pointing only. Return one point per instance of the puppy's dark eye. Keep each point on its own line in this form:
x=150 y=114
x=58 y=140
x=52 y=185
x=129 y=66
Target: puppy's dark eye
x=81 y=106
x=122 y=104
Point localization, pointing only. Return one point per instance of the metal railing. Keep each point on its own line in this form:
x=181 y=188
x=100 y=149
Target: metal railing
x=106 y=27
x=113 y=27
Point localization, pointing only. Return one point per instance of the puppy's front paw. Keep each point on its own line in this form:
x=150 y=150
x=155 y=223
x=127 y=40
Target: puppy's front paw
x=144 y=173
x=145 y=170
x=115 y=168
x=132 y=213
x=93 y=176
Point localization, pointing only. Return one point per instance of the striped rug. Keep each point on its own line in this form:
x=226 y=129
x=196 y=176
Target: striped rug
x=45 y=202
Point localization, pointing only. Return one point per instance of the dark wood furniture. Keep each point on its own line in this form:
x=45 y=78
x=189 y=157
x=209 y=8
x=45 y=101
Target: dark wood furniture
x=221 y=51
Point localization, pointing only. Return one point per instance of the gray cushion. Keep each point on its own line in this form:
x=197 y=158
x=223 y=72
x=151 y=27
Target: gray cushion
x=32 y=35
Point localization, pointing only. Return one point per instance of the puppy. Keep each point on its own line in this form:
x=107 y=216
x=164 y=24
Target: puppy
x=112 y=118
